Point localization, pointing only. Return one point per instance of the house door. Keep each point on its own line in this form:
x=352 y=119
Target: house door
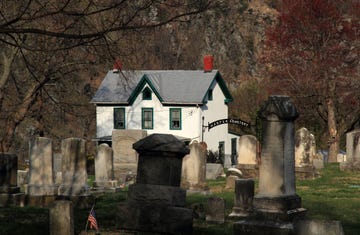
x=233 y=151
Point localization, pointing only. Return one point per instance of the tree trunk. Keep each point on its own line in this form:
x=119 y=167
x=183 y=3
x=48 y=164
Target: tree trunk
x=333 y=132
x=13 y=121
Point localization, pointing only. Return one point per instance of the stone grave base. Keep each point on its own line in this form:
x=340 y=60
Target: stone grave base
x=106 y=186
x=157 y=194
x=194 y=187
x=155 y=218
x=118 y=232
x=239 y=212
x=13 y=199
x=42 y=190
x=262 y=227
x=122 y=170
x=248 y=171
x=284 y=208
x=39 y=201
x=79 y=201
x=9 y=189
x=306 y=172
x=155 y=208
x=73 y=190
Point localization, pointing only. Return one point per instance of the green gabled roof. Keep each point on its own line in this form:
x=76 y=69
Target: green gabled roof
x=170 y=86
x=223 y=87
x=144 y=80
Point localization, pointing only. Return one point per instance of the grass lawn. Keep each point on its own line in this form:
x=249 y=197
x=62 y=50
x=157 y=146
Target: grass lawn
x=333 y=196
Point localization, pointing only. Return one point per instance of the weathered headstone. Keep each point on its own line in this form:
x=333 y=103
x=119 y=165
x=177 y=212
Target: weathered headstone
x=305 y=147
x=215 y=210
x=156 y=203
x=305 y=154
x=353 y=146
x=23 y=179
x=247 y=150
x=9 y=190
x=57 y=168
x=125 y=157
x=243 y=200
x=214 y=170
x=232 y=174
x=193 y=174
x=247 y=156
x=61 y=218
x=352 y=151
x=41 y=174
x=104 y=171
x=316 y=227
x=74 y=175
x=276 y=201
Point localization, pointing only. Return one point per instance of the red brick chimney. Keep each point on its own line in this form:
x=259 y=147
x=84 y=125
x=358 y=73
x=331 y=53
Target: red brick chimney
x=117 y=66
x=208 y=63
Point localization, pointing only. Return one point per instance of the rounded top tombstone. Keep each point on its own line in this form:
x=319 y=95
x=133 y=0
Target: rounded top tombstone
x=161 y=143
x=278 y=108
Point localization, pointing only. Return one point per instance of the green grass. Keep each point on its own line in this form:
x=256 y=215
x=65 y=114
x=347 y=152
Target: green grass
x=333 y=196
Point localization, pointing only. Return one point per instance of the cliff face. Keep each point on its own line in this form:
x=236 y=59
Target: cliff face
x=232 y=31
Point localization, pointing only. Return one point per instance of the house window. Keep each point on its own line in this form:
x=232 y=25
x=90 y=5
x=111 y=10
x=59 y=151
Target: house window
x=119 y=118
x=222 y=151
x=210 y=94
x=175 y=119
x=146 y=95
x=147 y=118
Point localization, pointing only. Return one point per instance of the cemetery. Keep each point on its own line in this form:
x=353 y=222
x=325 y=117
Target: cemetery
x=164 y=186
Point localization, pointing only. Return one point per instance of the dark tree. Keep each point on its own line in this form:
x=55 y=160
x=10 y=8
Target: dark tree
x=312 y=54
x=45 y=44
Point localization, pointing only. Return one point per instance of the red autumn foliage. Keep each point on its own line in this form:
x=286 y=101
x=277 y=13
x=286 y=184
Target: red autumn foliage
x=312 y=54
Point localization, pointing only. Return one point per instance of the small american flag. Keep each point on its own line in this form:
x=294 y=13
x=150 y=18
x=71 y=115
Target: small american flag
x=92 y=220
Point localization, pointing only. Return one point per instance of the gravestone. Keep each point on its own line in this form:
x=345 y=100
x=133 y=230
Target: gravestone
x=232 y=174
x=243 y=200
x=9 y=190
x=353 y=146
x=276 y=204
x=305 y=155
x=352 y=151
x=104 y=171
x=247 y=149
x=247 y=156
x=57 y=167
x=156 y=203
x=316 y=227
x=23 y=179
x=41 y=174
x=305 y=147
x=125 y=157
x=214 y=170
x=74 y=175
x=215 y=210
x=61 y=218
x=193 y=175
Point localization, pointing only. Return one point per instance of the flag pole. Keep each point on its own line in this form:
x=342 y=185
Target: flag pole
x=87 y=220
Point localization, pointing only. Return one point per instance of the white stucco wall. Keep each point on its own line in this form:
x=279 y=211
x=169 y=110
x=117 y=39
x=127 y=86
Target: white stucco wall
x=214 y=110
x=191 y=117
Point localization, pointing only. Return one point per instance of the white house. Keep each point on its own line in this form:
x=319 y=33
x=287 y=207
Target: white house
x=178 y=102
